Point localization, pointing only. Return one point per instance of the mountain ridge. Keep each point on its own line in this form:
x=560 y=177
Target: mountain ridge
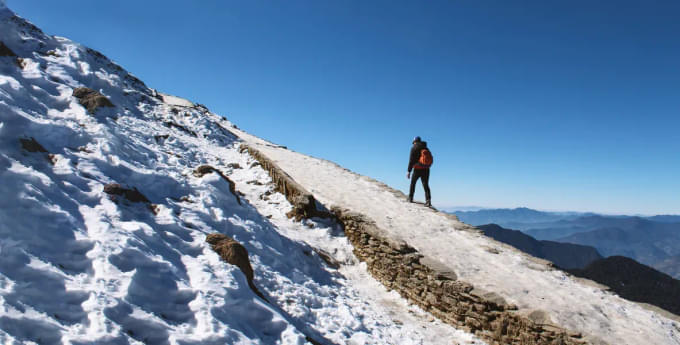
x=103 y=230
x=641 y=239
x=430 y=233
x=652 y=240
x=139 y=270
x=625 y=276
x=634 y=281
x=564 y=255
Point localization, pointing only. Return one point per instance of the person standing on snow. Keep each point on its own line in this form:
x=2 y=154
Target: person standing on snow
x=420 y=162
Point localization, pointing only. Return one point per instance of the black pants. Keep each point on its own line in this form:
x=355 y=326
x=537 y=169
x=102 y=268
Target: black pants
x=424 y=175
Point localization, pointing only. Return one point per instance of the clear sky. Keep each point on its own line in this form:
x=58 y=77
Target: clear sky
x=554 y=105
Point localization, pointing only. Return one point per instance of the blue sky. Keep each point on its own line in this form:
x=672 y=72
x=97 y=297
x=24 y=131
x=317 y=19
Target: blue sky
x=557 y=105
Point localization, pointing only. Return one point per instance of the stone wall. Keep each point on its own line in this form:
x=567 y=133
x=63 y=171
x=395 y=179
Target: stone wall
x=304 y=204
x=425 y=282
x=436 y=289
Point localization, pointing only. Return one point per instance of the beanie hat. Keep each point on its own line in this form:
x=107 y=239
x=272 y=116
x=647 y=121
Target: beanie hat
x=416 y=139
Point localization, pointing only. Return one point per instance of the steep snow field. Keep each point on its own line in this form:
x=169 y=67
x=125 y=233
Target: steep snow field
x=78 y=266
x=477 y=259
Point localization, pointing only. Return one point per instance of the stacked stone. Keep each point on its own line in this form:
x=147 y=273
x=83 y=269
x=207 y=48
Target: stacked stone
x=304 y=204
x=423 y=282
x=401 y=268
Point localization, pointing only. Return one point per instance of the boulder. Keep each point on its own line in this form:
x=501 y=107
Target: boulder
x=91 y=99
x=132 y=195
x=204 y=170
x=232 y=252
x=236 y=254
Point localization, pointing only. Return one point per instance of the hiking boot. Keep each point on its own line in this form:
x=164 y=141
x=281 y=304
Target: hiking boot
x=409 y=199
x=428 y=203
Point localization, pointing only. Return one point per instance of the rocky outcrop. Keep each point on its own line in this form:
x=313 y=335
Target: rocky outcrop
x=133 y=195
x=31 y=145
x=207 y=169
x=171 y=124
x=91 y=99
x=231 y=252
x=234 y=253
x=423 y=281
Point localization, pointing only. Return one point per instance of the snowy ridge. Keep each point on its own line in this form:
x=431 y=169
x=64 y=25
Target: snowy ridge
x=487 y=264
x=78 y=266
x=174 y=100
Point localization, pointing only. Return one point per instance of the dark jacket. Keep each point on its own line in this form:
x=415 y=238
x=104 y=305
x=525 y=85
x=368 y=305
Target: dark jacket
x=415 y=155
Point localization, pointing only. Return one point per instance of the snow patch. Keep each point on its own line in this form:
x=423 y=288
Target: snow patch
x=174 y=100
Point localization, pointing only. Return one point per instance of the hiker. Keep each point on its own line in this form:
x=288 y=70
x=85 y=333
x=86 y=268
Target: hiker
x=420 y=162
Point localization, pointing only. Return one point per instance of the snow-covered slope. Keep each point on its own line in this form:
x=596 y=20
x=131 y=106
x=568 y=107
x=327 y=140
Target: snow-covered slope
x=79 y=266
x=522 y=280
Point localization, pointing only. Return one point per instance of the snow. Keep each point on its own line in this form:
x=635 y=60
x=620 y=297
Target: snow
x=174 y=100
x=80 y=267
x=489 y=265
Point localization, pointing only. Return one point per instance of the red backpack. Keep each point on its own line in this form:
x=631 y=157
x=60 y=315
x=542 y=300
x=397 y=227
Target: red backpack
x=425 y=158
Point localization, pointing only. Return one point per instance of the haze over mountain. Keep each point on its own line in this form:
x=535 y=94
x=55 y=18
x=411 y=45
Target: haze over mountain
x=652 y=240
x=564 y=255
x=648 y=242
x=634 y=281
x=520 y=218
x=670 y=266
x=625 y=276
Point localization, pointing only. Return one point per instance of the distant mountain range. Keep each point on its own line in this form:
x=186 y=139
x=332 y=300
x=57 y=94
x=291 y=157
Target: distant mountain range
x=521 y=218
x=634 y=281
x=564 y=255
x=644 y=240
x=670 y=265
x=625 y=276
x=654 y=241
